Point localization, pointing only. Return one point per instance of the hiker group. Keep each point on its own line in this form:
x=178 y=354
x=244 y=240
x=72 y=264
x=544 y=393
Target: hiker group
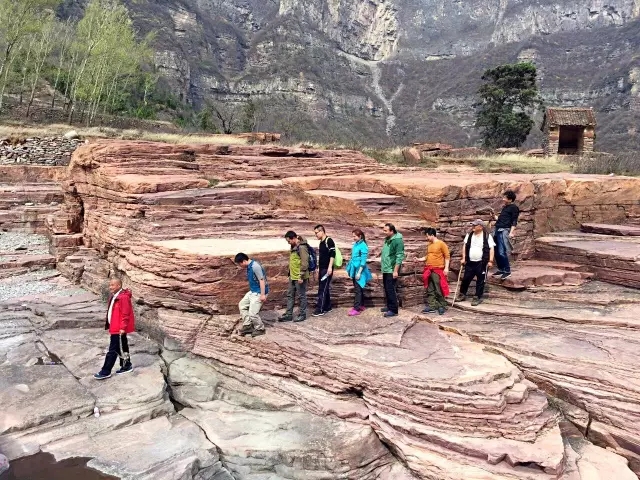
x=480 y=250
x=478 y=254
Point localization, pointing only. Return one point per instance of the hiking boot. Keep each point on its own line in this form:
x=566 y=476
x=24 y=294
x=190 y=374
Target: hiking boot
x=353 y=312
x=317 y=313
x=441 y=310
x=245 y=331
x=497 y=273
x=362 y=309
x=257 y=333
x=476 y=302
x=428 y=309
x=390 y=314
x=101 y=376
x=285 y=318
x=505 y=275
x=461 y=298
x=123 y=370
x=300 y=319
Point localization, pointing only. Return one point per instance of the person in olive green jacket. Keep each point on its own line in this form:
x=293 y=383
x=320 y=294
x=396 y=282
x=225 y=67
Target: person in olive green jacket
x=298 y=277
x=391 y=260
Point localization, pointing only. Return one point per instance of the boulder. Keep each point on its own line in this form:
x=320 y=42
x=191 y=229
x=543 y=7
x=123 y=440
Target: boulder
x=71 y=135
x=412 y=156
x=165 y=448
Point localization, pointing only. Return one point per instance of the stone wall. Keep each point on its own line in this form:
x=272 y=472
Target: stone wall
x=52 y=151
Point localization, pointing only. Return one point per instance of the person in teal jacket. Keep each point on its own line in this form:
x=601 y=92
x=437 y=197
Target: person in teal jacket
x=358 y=271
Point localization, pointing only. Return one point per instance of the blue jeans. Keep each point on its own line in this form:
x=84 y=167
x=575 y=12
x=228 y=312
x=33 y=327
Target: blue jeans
x=502 y=258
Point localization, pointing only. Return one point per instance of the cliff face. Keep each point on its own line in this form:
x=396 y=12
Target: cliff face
x=392 y=71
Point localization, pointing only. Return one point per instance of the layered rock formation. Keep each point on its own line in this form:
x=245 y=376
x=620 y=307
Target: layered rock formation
x=51 y=343
x=577 y=344
x=170 y=218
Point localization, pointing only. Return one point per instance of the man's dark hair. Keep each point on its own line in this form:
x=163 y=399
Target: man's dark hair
x=391 y=227
x=510 y=194
x=430 y=231
x=241 y=257
x=319 y=227
x=290 y=235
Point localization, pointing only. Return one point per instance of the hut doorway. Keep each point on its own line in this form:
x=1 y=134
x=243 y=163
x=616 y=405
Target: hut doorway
x=570 y=141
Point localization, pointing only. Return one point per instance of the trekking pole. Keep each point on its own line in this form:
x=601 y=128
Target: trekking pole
x=457 y=286
x=123 y=356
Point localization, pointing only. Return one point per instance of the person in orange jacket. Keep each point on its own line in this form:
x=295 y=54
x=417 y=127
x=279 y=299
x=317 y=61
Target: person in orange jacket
x=120 y=321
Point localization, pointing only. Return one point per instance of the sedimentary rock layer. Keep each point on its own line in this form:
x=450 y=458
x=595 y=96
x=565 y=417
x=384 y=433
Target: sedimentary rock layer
x=139 y=203
x=612 y=259
x=576 y=343
x=170 y=218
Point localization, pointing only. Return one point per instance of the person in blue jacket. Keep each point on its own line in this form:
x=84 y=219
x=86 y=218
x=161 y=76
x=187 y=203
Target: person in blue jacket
x=358 y=271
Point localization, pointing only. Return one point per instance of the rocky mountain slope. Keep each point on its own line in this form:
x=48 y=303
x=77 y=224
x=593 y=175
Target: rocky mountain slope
x=393 y=71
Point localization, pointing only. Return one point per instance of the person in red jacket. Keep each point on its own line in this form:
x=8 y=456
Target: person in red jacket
x=119 y=322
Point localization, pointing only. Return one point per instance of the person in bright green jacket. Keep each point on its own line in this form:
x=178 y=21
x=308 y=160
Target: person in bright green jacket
x=391 y=260
x=358 y=271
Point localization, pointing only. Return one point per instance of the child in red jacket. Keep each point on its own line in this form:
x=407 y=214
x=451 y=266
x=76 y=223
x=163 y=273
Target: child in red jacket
x=120 y=321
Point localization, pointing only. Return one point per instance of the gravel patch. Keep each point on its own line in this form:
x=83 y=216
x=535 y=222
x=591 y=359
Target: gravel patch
x=31 y=283
x=14 y=242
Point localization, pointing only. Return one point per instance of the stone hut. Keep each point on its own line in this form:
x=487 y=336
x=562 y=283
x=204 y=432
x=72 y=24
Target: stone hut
x=568 y=131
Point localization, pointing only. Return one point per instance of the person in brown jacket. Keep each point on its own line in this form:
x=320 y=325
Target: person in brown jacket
x=299 y=271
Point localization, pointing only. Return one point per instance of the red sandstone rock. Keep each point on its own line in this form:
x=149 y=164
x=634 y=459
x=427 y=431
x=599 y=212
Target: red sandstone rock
x=576 y=343
x=411 y=156
x=618 y=230
x=612 y=259
x=451 y=408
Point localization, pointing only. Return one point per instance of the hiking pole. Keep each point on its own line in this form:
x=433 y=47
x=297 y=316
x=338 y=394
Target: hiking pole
x=123 y=356
x=457 y=286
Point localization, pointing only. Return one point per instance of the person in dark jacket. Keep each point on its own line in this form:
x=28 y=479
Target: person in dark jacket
x=477 y=257
x=504 y=233
x=120 y=321
x=326 y=258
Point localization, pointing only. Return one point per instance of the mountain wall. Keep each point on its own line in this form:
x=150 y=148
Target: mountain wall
x=394 y=71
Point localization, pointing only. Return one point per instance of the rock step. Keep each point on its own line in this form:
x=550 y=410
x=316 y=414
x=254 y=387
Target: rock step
x=610 y=258
x=26 y=261
x=616 y=230
x=542 y=274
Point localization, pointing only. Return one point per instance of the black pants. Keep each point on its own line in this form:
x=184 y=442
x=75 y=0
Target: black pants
x=358 y=302
x=114 y=353
x=390 y=292
x=471 y=270
x=323 y=304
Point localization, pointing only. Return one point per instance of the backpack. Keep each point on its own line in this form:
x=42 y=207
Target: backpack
x=338 y=261
x=313 y=258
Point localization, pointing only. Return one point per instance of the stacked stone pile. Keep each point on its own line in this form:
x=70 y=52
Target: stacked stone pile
x=52 y=151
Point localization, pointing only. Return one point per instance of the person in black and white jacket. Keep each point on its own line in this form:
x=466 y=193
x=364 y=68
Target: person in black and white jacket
x=326 y=258
x=477 y=257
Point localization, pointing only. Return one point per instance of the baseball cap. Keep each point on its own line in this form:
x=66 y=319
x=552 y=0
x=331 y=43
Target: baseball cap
x=477 y=222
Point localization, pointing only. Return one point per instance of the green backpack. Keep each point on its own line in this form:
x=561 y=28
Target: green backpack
x=338 y=261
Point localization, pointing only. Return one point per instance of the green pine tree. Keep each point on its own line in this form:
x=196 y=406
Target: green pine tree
x=507 y=98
